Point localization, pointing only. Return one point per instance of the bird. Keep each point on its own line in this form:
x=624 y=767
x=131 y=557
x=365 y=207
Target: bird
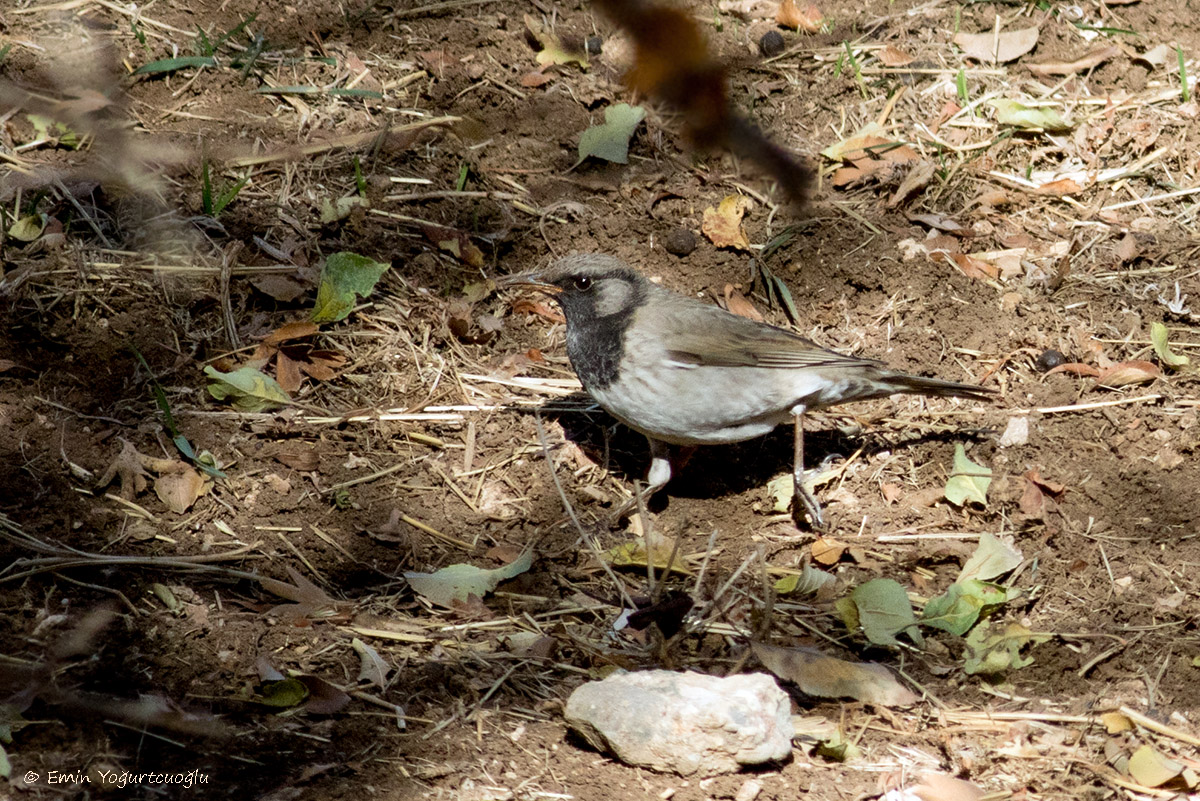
x=685 y=372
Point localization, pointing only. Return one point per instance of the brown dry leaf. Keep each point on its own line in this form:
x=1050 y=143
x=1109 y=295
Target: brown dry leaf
x=972 y=267
x=6 y=365
x=997 y=48
x=1093 y=59
x=723 y=225
x=737 y=303
x=455 y=243
x=280 y=287
x=807 y=19
x=940 y=787
x=1128 y=248
x=891 y=492
x=298 y=457
x=1123 y=374
x=538 y=308
x=1033 y=501
x=892 y=57
x=290 y=331
x=180 y=489
x=287 y=373
x=825 y=676
x=532 y=80
x=917 y=179
x=1052 y=487
x=1063 y=186
x=827 y=550
x=322 y=364
x=1074 y=368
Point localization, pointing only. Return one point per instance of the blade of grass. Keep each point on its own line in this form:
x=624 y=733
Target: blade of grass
x=181 y=442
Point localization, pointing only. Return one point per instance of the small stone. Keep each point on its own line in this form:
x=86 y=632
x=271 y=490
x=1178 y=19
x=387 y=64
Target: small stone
x=749 y=790
x=1050 y=359
x=593 y=45
x=686 y=723
x=680 y=242
x=1015 y=433
x=771 y=44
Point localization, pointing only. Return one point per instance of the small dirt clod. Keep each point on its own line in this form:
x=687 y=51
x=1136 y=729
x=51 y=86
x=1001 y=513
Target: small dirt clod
x=680 y=242
x=1050 y=359
x=771 y=44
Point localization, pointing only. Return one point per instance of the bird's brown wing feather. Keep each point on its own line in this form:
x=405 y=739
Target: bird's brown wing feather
x=715 y=338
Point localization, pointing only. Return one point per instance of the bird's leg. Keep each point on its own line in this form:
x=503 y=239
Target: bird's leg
x=801 y=497
x=656 y=479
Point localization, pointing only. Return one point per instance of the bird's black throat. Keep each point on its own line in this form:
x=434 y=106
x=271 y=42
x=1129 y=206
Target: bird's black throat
x=595 y=345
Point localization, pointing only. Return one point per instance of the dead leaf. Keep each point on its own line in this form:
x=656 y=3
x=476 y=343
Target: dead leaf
x=553 y=50
x=737 y=303
x=1158 y=55
x=456 y=243
x=538 y=308
x=997 y=48
x=807 y=19
x=1123 y=374
x=971 y=266
x=289 y=331
x=1128 y=248
x=1075 y=368
x=178 y=490
x=287 y=373
x=1059 y=188
x=825 y=676
x=6 y=365
x=1093 y=59
x=1033 y=501
x=298 y=457
x=892 y=57
x=723 y=225
x=532 y=80
x=827 y=550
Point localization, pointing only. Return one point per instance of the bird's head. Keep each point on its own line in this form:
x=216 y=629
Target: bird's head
x=588 y=286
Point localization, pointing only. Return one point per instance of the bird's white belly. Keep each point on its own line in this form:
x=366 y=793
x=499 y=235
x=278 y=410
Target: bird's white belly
x=690 y=405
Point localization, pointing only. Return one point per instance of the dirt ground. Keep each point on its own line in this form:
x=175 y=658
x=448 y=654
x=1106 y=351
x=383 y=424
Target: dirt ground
x=448 y=429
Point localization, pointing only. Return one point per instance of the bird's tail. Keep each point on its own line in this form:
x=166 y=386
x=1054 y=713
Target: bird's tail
x=918 y=385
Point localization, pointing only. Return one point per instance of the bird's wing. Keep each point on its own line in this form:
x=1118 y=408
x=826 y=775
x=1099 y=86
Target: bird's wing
x=710 y=336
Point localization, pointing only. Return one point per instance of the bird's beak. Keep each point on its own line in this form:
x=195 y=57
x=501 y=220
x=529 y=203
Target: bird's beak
x=528 y=281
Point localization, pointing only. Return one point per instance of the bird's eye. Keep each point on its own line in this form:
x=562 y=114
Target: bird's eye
x=583 y=283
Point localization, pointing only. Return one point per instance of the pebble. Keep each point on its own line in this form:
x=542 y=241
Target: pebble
x=1050 y=359
x=771 y=44
x=686 y=723
x=680 y=242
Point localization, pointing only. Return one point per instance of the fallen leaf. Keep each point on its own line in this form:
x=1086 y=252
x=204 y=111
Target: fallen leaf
x=1093 y=59
x=287 y=373
x=959 y=607
x=371 y=666
x=827 y=550
x=883 y=611
x=807 y=19
x=179 y=489
x=248 y=389
x=994 y=556
x=892 y=57
x=454 y=242
x=723 y=225
x=737 y=303
x=1150 y=768
x=457 y=582
x=298 y=457
x=28 y=228
x=1159 y=336
x=1075 y=368
x=968 y=482
x=532 y=80
x=289 y=331
x=992 y=648
x=1020 y=115
x=825 y=676
x=1060 y=187
x=1158 y=55
x=1123 y=374
x=971 y=266
x=634 y=554
x=997 y=48
x=345 y=277
x=610 y=141
x=807 y=582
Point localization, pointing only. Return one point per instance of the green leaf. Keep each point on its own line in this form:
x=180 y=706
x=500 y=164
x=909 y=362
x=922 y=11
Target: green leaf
x=248 y=389
x=208 y=465
x=1158 y=337
x=175 y=64
x=283 y=694
x=48 y=128
x=993 y=557
x=807 y=582
x=993 y=649
x=968 y=481
x=344 y=277
x=458 y=582
x=957 y=609
x=884 y=611
x=28 y=228
x=610 y=141
x=1019 y=115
